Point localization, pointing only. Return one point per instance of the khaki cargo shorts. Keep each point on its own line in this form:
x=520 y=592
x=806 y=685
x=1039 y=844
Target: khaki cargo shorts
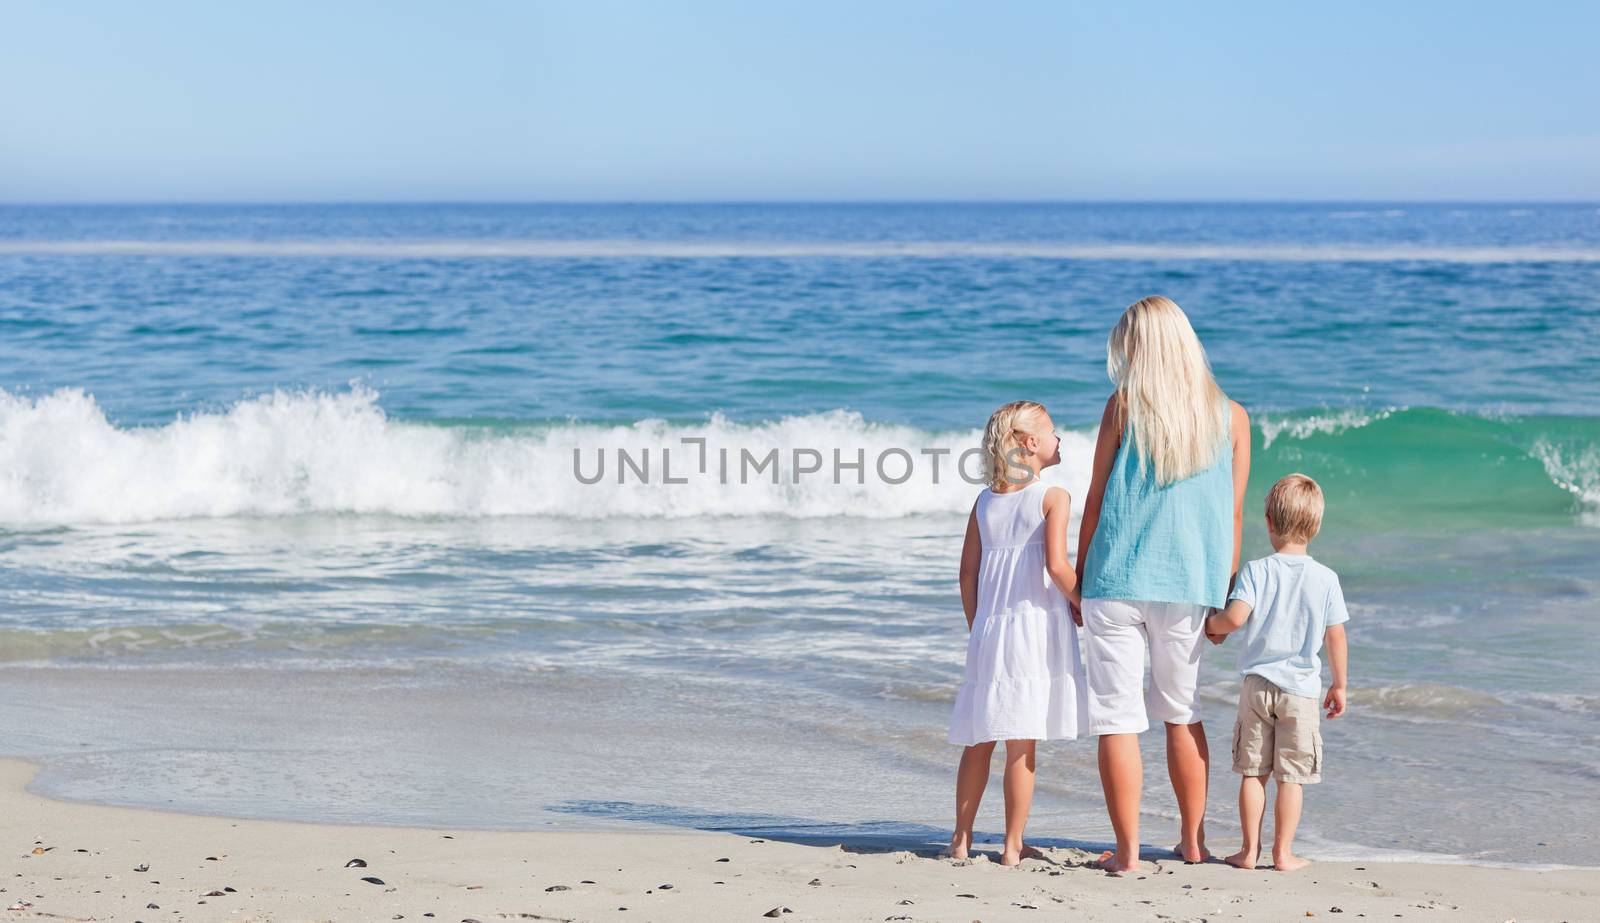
x=1277 y=734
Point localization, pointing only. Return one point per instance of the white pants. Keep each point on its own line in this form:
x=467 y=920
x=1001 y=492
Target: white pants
x=1120 y=631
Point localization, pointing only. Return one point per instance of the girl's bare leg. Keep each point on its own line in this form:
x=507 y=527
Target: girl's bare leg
x=1019 y=796
x=1189 y=768
x=1122 y=777
x=1252 y=814
x=971 y=779
x=1285 y=818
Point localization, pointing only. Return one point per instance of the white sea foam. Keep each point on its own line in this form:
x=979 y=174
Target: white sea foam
x=1571 y=703
x=1575 y=469
x=1427 y=701
x=311 y=452
x=1386 y=213
x=1328 y=850
x=707 y=249
x=1319 y=424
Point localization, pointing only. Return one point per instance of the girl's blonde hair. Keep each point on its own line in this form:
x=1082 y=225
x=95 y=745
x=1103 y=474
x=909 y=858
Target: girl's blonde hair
x=1000 y=437
x=1171 y=401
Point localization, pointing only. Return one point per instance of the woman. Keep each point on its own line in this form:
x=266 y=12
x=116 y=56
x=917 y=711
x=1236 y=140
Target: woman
x=1164 y=509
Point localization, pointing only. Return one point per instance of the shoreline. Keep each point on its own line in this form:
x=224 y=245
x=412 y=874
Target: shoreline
x=289 y=745
x=1348 y=854
x=205 y=867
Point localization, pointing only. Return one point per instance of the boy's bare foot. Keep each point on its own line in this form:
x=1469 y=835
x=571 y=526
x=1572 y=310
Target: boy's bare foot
x=1192 y=855
x=1028 y=852
x=1242 y=859
x=1289 y=862
x=1114 y=864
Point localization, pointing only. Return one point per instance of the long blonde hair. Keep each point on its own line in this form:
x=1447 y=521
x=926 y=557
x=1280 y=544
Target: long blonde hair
x=1000 y=437
x=1171 y=401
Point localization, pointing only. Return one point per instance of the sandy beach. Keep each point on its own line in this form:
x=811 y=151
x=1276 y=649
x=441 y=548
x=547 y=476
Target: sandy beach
x=72 y=861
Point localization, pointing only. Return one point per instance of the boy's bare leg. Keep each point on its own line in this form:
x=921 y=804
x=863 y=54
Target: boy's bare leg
x=1189 y=768
x=1252 y=814
x=1019 y=798
x=971 y=779
x=1285 y=818
x=1122 y=778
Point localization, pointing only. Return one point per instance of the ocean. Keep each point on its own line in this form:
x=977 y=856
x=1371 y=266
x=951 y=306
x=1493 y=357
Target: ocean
x=597 y=515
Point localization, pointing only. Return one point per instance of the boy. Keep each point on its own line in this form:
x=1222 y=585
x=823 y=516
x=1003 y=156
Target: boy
x=1287 y=605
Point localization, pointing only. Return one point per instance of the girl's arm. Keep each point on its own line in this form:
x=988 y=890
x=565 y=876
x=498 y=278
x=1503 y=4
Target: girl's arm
x=1057 y=512
x=1105 y=452
x=1241 y=479
x=971 y=557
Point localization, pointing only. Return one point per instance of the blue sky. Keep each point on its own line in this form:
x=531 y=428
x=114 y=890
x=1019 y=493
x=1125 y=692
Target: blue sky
x=347 y=100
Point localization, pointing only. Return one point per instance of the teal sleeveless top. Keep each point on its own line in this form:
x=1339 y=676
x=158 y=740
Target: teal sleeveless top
x=1169 y=544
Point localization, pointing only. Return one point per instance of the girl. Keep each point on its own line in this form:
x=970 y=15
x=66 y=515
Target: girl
x=1164 y=511
x=1024 y=678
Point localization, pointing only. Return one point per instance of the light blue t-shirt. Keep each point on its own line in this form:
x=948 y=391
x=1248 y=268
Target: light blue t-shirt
x=1293 y=600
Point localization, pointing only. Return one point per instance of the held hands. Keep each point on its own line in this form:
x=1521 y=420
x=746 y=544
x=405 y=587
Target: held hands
x=1334 y=701
x=1212 y=635
x=1075 y=606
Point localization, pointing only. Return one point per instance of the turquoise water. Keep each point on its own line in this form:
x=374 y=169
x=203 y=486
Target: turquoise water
x=289 y=490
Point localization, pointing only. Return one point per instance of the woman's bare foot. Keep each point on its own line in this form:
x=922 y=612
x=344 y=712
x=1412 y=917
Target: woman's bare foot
x=1028 y=852
x=958 y=847
x=1114 y=864
x=1289 y=862
x=1194 y=854
x=1243 y=859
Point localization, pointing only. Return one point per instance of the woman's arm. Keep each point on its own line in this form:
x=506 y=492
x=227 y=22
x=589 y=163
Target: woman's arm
x=1241 y=480
x=1105 y=452
x=1057 y=512
x=971 y=557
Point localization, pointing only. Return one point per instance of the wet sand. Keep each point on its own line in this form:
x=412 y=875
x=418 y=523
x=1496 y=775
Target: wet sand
x=73 y=861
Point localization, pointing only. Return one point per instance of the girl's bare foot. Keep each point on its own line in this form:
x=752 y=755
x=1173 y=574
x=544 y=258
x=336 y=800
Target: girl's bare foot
x=1194 y=854
x=1113 y=863
x=1289 y=862
x=1028 y=852
x=1242 y=859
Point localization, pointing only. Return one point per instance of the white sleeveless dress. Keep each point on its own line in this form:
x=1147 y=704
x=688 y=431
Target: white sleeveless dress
x=1024 y=678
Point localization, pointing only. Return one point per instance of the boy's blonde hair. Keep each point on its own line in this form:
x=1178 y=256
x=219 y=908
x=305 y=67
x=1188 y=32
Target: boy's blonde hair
x=1176 y=411
x=1294 y=508
x=1000 y=437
